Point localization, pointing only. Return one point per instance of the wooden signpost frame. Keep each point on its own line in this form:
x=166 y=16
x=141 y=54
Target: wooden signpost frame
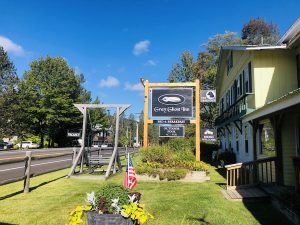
x=195 y=121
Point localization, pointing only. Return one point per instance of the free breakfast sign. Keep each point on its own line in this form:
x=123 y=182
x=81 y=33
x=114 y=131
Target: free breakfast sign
x=172 y=102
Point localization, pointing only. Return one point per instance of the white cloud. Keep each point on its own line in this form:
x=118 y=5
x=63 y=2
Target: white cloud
x=109 y=82
x=134 y=87
x=77 y=70
x=151 y=62
x=11 y=47
x=141 y=47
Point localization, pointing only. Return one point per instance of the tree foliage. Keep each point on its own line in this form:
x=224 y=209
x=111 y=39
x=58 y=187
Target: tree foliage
x=49 y=90
x=203 y=68
x=8 y=96
x=258 y=31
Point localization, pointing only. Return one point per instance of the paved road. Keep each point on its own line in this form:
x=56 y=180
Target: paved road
x=13 y=171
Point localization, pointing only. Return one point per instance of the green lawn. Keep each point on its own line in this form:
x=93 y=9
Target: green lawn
x=170 y=202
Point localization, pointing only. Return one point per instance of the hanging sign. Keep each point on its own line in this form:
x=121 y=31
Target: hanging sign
x=171 y=121
x=208 y=95
x=73 y=134
x=171 y=131
x=208 y=134
x=172 y=102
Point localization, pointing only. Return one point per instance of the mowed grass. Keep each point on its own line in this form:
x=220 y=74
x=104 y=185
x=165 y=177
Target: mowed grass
x=52 y=198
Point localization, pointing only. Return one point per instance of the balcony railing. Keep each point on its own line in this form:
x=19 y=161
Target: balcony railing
x=238 y=109
x=261 y=171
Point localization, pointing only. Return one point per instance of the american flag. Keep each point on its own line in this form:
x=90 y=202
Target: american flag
x=130 y=176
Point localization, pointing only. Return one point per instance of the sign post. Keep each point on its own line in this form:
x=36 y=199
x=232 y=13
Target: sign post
x=173 y=100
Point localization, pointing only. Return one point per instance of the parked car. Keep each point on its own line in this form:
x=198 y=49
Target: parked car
x=101 y=144
x=8 y=145
x=2 y=145
x=28 y=144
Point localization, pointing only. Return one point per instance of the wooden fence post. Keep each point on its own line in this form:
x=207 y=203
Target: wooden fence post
x=27 y=171
x=74 y=155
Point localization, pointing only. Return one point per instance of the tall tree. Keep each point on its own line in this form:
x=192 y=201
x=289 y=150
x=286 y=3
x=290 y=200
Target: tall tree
x=205 y=69
x=8 y=94
x=258 y=31
x=49 y=89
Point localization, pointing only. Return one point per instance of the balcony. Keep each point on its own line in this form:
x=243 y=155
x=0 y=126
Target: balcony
x=235 y=111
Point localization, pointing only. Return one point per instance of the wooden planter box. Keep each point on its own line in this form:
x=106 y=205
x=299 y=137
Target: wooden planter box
x=95 y=218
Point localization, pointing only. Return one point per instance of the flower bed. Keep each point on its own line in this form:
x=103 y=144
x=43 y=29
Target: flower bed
x=165 y=163
x=112 y=204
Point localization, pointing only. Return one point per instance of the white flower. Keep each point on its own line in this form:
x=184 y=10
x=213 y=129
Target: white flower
x=115 y=205
x=90 y=198
x=131 y=198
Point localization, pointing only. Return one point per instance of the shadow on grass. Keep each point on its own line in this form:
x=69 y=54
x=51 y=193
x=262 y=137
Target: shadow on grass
x=1 y=223
x=202 y=219
x=31 y=189
x=266 y=214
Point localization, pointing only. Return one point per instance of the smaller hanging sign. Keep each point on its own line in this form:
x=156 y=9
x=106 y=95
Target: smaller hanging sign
x=208 y=134
x=171 y=131
x=208 y=96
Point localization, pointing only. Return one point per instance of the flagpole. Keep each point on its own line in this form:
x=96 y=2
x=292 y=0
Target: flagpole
x=127 y=169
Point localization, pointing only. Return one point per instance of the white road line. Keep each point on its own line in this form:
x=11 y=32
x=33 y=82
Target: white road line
x=12 y=168
x=36 y=165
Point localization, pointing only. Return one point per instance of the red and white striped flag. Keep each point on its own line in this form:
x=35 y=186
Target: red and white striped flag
x=130 y=176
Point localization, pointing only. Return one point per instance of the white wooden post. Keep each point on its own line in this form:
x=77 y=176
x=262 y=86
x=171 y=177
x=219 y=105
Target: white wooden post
x=27 y=171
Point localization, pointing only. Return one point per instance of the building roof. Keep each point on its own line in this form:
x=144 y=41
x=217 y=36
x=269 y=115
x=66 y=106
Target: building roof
x=224 y=49
x=292 y=37
x=290 y=99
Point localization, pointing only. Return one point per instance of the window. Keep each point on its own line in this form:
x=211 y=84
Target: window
x=222 y=105
x=228 y=99
x=267 y=140
x=246 y=139
x=229 y=62
x=298 y=69
x=237 y=139
x=247 y=78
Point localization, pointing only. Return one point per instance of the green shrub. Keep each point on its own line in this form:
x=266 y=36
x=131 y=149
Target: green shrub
x=177 y=174
x=150 y=169
x=207 y=149
x=180 y=144
x=156 y=153
x=184 y=155
x=112 y=191
x=227 y=157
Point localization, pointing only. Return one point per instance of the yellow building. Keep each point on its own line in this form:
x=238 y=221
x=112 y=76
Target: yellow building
x=258 y=91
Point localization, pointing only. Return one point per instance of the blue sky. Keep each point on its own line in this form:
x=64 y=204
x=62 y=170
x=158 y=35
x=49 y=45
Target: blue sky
x=114 y=43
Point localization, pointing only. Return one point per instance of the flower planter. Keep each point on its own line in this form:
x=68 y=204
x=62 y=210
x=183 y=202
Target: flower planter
x=95 y=218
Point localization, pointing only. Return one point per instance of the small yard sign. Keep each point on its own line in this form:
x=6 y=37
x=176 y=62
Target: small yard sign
x=171 y=131
x=208 y=95
x=208 y=134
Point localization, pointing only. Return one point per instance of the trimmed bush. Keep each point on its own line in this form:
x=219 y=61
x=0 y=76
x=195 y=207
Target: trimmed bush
x=227 y=157
x=177 y=174
x=111 y=191
x=156 y=153
x=184 y=155
x=180 y=144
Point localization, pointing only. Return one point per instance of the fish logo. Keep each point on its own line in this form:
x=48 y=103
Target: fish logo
x=171 y=99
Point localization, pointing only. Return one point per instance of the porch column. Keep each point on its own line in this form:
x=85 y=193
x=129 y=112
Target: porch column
x=276 y=122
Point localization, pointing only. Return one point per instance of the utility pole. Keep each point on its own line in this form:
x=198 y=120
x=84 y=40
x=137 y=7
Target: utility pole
x=137 y=133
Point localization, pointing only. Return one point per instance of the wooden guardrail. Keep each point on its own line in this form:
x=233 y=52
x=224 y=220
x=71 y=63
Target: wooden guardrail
x=251 y=173
x=296 y=162
x=27 y=167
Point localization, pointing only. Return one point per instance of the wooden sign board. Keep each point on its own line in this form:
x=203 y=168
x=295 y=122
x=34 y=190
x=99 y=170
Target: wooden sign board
x=171 y=131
